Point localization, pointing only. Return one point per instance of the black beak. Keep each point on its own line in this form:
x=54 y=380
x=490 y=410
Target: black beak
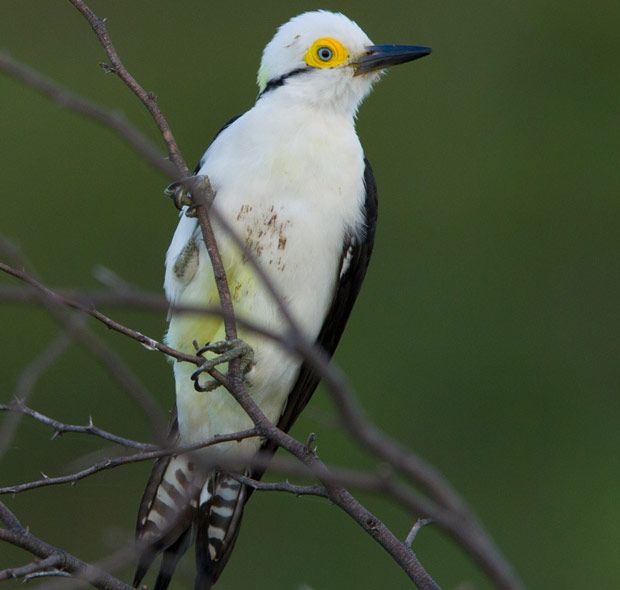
x=383 y=56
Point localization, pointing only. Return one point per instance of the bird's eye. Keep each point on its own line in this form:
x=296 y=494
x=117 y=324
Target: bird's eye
x=324 y=53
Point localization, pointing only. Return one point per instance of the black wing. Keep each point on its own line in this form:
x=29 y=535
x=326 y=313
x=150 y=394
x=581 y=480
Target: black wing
x=354 y=261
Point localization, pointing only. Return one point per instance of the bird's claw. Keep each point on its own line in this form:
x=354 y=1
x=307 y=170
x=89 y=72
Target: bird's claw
x=226 y=351
x=181 y=193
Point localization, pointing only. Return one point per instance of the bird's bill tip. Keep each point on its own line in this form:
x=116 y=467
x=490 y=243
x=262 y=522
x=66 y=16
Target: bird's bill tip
x=379 y=57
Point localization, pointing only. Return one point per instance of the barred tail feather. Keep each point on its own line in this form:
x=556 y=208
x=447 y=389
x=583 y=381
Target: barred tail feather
x=178 y=500
x=217 y=526
x=167 y=510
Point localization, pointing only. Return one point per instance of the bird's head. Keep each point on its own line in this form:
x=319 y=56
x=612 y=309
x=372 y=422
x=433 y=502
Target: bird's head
x=324 y=59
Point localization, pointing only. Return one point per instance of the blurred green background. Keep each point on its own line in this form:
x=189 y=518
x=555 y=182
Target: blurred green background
x=486 y=336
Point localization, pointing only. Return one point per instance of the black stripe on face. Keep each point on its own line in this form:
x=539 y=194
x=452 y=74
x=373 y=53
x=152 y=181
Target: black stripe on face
x=277 y=82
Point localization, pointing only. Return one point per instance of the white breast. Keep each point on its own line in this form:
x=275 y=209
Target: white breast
x=290 y=181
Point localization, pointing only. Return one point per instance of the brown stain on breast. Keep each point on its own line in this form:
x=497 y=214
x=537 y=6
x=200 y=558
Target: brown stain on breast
x=264 y=233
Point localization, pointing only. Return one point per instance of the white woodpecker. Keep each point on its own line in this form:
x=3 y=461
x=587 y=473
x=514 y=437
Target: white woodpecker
x=291 y=178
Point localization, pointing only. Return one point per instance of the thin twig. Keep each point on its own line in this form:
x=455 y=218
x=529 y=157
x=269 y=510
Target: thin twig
x=201 y=199
x=18 y=535
x=41 y=289
x=61 y=428
x=381 y=482
x=281 y=486
x=201 y=194
x=147 y=98
x=106 y=464
x=30 y=569
x=415 y=529
x=134 y=299
x=121 y=557
x=337 y=494
x=56 y=573
x=149 y=343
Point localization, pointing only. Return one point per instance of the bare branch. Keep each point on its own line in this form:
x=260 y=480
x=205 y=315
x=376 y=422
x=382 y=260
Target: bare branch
x=201 y=199
x=54 y=573
x=381 y=482
x=455 y=525
x=9 y=519
x=147 y=98
x=18 y=535
x=44 y=294
x=405 y=558
x=124 y=555
x=149 y=343
x=61 y=428
x=282 y=486
x=106 y=464
x=133 y=298
x=29 y=569
x=202 y=193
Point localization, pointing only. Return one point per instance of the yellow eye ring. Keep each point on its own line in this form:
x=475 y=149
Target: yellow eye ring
x=326 y=53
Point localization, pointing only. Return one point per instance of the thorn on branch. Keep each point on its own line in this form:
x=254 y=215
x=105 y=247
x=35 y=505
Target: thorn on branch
x=107 y=68
x=415 y=529
x=55 y=573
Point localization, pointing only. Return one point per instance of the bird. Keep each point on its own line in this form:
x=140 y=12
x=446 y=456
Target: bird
x=291 y=178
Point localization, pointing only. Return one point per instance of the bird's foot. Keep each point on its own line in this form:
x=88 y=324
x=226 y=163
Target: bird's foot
x=181 y=193
x=226 y=351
